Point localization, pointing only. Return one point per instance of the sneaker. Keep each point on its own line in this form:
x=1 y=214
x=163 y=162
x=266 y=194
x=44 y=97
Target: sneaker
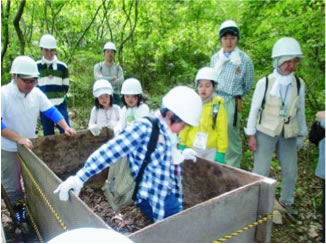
x=289 y=209
x=21 y=214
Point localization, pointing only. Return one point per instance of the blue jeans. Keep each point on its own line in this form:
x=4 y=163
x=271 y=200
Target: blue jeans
x=48 y=125
x=171 y=206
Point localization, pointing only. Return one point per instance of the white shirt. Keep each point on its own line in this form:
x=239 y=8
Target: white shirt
x=128 y=115
x=102 y=117
x=257 y=101
x=20 y=112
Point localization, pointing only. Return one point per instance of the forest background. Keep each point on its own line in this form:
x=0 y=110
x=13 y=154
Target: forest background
x=163 y=43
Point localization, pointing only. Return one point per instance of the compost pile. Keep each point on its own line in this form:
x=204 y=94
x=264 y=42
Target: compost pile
x=201 y=182
x=130 y=220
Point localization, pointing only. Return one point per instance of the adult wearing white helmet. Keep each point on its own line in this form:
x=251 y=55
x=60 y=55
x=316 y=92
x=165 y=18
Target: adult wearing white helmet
x=235 y=73
x=159 y=194
x=277 y=118
x=104 y=113
x=110 y=71
x=21 y=104
x=134 y=107
x=209 y=139
x=53 y=81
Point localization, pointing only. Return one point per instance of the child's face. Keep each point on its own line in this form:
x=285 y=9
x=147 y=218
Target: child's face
x=104 y=100
x=205 y=88
x=177 y=126
x=131 y=100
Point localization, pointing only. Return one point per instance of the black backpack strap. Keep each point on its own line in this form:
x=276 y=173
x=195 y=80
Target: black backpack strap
x=216 y=108
x=264 y=99
x=298 y=83
x=150 y=148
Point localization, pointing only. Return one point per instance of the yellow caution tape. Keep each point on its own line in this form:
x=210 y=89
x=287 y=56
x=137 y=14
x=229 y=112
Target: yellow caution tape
x=45 y=199
x=38 y=233
x=238 y=232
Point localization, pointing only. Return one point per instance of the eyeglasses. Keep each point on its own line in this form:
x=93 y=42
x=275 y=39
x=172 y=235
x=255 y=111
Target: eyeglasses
x=29 y=81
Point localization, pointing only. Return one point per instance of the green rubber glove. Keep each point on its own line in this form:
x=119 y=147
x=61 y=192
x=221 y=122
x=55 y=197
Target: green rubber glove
x=220 y=158
x=182 y=147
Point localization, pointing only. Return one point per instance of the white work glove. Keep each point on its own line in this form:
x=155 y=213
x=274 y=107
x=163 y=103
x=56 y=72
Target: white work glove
x=72 y=183
x=177 y=157
x=300 y=142
x=117 y=129
x=112 y=124
x=95 y=129
x=190 y=154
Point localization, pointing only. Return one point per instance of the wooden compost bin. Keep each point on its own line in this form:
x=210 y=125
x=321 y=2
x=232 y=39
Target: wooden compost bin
x=219 y=199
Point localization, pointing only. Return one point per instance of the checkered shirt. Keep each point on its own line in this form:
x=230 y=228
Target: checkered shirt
x=234 y=79
x=161 y=176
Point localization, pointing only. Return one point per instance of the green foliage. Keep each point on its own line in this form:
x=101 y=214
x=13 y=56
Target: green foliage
x=164 y=43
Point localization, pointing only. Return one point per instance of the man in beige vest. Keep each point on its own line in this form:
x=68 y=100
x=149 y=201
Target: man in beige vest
x=277 y=118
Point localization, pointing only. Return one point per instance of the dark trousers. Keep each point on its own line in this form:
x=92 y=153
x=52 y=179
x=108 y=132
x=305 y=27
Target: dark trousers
x=48 y=125
x=116 y=99
x=171 y=206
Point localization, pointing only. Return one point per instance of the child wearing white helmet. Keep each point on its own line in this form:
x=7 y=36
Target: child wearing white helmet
x=104 y=113
x=277 y=120
x=210 y=138
x=134 y=107
x=159 y=194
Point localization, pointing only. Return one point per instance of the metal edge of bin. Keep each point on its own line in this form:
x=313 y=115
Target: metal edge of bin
x=207 y=221
x=73 y=213
x=266 y=206
x=180 y=223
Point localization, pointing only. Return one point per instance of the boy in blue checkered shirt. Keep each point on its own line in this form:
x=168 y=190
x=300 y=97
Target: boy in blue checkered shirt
x=160 y=191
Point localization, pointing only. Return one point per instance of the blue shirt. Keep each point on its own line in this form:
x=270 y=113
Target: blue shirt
x=160 y=177
x=234 y=79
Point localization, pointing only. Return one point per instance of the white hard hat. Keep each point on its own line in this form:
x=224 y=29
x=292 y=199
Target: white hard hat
x=48 y=41
x=109 y=46
x=206 y=73
x=287 y=46
x=90 y=235
x=24 y=65
x=102 y=87
x=185 y=103
x=229 y=26
x=131 y=86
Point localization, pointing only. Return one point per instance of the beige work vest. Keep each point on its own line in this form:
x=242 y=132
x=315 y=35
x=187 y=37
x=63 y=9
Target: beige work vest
x=269 y=119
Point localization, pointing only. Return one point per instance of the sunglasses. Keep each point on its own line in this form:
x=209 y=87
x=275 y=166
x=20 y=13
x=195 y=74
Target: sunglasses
x=29 y=81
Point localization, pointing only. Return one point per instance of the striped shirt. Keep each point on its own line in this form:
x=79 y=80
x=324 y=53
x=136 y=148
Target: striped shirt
x=53 y=81
x=160 y=177
x=234 y=79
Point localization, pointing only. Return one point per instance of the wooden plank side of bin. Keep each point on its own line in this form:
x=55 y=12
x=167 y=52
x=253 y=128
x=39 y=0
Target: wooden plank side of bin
x=74 y=213
x=209 y=220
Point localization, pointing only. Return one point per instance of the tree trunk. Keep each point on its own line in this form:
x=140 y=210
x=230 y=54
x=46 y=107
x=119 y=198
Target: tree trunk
x=17 y=27
x=5 y=19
